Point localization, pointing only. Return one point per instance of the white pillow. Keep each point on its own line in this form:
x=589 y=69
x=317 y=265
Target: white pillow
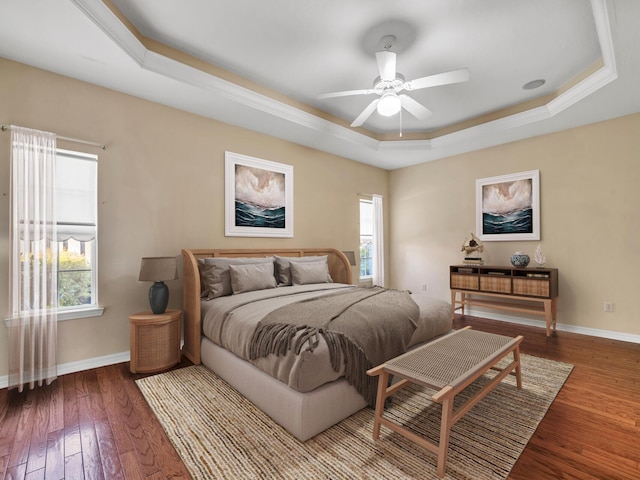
x=303 y=273
x=247 y=278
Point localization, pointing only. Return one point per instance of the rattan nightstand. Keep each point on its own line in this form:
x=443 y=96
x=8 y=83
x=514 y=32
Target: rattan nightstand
x=155 y=341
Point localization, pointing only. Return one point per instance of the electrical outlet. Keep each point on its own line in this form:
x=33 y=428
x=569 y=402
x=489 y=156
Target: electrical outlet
x=424 y=287
x=608 y=307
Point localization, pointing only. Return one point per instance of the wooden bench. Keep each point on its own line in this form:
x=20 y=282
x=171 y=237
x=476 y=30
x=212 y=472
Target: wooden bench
x=447 y=365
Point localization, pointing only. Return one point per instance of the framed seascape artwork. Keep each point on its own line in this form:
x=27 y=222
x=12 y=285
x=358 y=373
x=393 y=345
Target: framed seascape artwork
x=508 y=207
x=258 y=197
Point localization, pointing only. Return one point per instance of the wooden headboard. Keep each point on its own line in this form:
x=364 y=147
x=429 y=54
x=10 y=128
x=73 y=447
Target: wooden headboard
x=339 y=269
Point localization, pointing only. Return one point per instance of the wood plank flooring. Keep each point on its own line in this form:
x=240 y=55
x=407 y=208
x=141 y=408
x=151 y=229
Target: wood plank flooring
x=96 y=425
x=592 y=429
x=88 y=425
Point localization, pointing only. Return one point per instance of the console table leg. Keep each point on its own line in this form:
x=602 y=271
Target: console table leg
x=463 y=299
x=548 y=316
x=453 y=304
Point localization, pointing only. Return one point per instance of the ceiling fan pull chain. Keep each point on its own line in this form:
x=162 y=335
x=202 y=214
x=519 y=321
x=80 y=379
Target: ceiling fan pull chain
x=401 y=123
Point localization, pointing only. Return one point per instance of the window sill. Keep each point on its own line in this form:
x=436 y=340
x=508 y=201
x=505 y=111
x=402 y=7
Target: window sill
x=80 y=313
x=72 y=314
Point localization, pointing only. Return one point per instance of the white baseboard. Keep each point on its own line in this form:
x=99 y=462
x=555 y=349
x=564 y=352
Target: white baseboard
x=81 y=365
x=563 y=327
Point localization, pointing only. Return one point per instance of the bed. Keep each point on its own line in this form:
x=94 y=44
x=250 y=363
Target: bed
x=304 y=400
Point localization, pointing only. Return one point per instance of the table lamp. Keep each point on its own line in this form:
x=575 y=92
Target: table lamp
x=351 y=256
x=157 y=270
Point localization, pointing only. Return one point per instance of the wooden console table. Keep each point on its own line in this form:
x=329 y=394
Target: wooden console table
x=528 y=290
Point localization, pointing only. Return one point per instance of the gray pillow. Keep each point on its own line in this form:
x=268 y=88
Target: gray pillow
x=303 y=273
x=283 y=269
x=256 y=276
x=215 y=276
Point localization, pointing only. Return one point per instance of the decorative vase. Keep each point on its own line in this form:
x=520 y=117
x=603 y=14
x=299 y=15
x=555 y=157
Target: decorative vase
x=520 y=259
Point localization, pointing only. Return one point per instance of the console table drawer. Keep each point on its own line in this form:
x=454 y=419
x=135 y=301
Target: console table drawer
x=466 y=282
x=495 y=284
x=531 y=287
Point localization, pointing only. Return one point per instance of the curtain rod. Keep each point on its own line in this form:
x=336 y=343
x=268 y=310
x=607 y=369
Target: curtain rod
x=368 y=194
x=68 y=139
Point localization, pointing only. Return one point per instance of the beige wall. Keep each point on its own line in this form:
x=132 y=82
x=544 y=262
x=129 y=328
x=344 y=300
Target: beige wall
x=590 y=225
x=161 y=189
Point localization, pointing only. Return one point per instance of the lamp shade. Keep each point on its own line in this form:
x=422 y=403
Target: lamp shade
x=158 y=269
x=351 y=256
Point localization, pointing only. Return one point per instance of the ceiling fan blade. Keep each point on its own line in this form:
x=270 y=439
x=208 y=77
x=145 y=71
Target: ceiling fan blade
x=454 y=76
x=386 y=65
x=366 y=113
x=414 y=108
x=346 y=93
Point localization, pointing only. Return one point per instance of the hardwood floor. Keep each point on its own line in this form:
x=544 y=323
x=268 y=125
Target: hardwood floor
x=592 y=429
x=96 y=425
x=88 y=425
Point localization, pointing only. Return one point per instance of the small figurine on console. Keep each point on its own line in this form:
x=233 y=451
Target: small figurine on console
x=472 y=245
x=539 y=257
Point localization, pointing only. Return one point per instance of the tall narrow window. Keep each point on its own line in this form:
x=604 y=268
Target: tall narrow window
x=76 y=209
x=377 y=275
x=366 y=239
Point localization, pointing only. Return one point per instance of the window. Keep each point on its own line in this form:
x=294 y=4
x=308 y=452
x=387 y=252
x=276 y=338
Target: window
x=76 y=218
x=366 y=239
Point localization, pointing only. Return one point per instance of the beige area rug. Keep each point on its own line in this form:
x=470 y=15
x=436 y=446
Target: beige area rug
x=221 y=435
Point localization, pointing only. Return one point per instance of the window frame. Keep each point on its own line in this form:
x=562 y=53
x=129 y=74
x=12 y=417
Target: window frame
x=363 y=260
x=93 y=309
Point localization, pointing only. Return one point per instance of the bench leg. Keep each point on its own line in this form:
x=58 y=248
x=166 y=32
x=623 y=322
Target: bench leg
x=516 y=358
x=445 y=431
x=383 y=379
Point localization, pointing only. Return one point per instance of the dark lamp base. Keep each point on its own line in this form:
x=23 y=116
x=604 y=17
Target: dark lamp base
x=158 y=297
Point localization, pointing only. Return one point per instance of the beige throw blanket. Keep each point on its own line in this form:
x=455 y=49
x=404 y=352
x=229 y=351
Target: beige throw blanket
x=363 y=328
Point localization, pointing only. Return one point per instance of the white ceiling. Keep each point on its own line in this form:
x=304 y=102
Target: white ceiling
x=293 y=50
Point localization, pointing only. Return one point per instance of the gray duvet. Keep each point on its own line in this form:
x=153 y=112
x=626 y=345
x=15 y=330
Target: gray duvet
x=230 y=322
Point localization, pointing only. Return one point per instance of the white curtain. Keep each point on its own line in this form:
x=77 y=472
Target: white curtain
x=34 y=260
x=378 y=242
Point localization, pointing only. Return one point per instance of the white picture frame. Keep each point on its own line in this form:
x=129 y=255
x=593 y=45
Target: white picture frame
x=508 y=207
x=258 y=197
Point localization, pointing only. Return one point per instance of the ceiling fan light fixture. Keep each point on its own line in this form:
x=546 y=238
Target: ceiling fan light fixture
x=389 y=105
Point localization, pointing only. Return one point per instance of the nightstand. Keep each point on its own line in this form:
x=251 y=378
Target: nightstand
x=155 y=341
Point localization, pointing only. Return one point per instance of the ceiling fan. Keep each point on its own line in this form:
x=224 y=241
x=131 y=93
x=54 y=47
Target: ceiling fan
x=390 y=83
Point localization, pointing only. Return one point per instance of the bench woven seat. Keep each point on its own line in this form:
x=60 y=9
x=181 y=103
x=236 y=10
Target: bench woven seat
x=451 y=359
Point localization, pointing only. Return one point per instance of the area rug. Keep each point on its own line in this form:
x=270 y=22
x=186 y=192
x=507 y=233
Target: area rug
x=221 y=435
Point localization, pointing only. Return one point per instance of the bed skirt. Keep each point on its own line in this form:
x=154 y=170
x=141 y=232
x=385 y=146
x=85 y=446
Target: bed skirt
x=301 y=414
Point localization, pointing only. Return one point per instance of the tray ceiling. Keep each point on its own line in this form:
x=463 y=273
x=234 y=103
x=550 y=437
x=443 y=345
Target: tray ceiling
x=261 y=65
